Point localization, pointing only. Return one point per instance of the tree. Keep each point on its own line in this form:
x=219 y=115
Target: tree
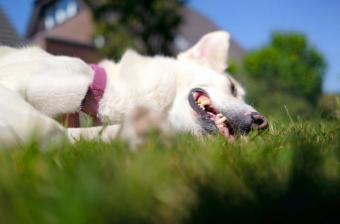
x=148 y=26
x=288 y=63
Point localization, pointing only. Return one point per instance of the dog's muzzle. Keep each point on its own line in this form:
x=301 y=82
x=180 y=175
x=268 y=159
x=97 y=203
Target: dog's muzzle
x=224 y=121
x=259 y=122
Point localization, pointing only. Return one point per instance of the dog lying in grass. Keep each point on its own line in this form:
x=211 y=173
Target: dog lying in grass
x=191 y=93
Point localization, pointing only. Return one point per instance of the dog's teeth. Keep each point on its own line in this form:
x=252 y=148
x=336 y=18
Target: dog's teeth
x=219 y=116
x=203 y=101
x=221 y=120
x=201 y=105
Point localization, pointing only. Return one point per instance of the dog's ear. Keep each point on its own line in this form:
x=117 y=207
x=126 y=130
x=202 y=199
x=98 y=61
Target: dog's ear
x=210 y=51
x=130 y=56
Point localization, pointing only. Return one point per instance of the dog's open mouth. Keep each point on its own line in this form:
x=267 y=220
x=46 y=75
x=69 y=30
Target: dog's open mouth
x=201 y=103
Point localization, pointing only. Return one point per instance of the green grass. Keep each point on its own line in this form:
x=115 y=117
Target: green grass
x=289 y=173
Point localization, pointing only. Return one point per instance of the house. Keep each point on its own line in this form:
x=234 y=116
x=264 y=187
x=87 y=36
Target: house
x=8 y=36
x=66 y=27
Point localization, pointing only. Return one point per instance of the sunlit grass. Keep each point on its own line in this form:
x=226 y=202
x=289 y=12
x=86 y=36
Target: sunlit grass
x=290 y=172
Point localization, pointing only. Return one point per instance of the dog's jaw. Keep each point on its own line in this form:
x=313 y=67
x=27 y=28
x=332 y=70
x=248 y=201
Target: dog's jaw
x=211 y=120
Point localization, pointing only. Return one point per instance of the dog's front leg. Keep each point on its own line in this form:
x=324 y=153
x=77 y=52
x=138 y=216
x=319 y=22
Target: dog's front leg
x=101 y=133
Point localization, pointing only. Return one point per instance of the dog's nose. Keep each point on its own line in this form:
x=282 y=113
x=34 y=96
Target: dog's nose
x=259 y=122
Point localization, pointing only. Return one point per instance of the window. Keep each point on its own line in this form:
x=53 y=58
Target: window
x=59 y=12
x=49 y=22
x=181 y=43
x=60 y=16
x=99 y=41
x=71 y=9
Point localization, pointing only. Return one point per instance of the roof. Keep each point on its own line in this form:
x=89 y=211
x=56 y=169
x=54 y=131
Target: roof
x=35 y=22
x=8 y=35
x=81 y=28
x=195 y=25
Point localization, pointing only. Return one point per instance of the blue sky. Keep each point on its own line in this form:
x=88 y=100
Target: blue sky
x=251 y=22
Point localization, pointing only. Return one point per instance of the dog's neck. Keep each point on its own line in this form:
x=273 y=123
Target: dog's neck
x=95 y=92
x=90 y=103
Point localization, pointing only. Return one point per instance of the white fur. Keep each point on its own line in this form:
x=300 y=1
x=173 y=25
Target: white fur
x=35 y=84
x=210 y=51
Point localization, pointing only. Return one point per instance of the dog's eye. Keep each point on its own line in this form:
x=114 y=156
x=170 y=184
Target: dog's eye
x=233 y=89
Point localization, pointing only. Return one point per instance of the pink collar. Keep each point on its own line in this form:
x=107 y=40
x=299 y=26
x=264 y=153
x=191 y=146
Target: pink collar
x=90 y=104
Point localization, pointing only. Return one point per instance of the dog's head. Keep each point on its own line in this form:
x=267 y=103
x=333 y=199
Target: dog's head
x=192 y=91
x=209 y=101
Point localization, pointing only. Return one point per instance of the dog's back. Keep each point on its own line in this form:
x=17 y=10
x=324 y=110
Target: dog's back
x=5 y=51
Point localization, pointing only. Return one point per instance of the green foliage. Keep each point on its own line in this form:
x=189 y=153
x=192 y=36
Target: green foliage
x=233 y=68
x=290 y=64
x=289 y=173
x=148 y=26
x=275 y=104
x=329 y=106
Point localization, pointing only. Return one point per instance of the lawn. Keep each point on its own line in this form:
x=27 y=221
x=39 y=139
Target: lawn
x=290 y=173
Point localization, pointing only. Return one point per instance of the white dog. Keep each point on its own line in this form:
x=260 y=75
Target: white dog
x=192 y=92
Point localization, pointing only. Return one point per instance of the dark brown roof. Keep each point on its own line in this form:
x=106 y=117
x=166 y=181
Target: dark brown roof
x=8 y=35
x=35 y=23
